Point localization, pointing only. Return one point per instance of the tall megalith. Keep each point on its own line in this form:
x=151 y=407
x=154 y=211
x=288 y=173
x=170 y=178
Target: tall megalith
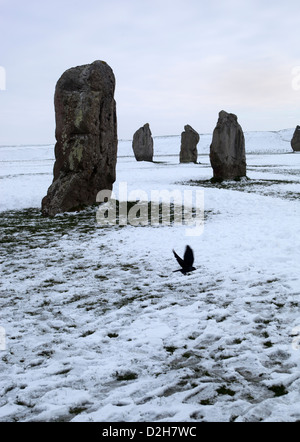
x=142 y=144
x=188 y=150
x=227 y=150
x=86 y=138
x=295 y=141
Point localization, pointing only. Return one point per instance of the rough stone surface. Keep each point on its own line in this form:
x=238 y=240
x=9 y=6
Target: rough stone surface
x=86 y=134
x=227 y=150
x=142 y=144
x=295 y=142
x=189 y=140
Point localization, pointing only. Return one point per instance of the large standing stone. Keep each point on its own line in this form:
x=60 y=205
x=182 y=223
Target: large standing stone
x=86 y=134
x=227 y=150
x=295 y=142
x=142 y=144
x=189 y=140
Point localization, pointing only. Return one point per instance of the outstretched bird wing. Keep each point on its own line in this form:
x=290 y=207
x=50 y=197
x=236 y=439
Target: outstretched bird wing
x=188 y=257
x=179 y=260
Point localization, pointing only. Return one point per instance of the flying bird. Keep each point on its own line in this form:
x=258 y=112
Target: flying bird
x=187 y=262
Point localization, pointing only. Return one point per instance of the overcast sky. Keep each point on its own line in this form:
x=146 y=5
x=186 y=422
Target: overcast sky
x=176 y=62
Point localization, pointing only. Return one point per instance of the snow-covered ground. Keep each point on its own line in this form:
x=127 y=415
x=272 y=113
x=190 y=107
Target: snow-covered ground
x=99 y=328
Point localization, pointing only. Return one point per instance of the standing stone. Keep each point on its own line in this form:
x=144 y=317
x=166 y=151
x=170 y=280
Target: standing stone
x=295 y=142
x=142 y=144
x=189 y=140
x=86 y=134
x=227 y=150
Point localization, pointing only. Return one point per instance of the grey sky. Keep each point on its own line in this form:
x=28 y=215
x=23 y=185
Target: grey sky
x=176 y=62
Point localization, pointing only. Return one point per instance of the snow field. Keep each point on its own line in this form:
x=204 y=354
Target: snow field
x=99 y=328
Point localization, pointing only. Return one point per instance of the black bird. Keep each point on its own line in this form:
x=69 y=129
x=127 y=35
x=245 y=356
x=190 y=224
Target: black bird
x=187 y=262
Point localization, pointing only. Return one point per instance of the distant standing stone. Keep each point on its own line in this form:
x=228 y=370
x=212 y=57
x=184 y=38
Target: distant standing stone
x=189 y=140
x=142 y=144
x=295 y=142
x=86 y=134
x=227 y=150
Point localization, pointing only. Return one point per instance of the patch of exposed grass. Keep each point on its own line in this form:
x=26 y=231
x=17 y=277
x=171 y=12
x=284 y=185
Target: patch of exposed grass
x=268 y=187
x=223 y=390
x=206 y=402
x=51 y=282
x=278 y=390
x=268 y=344
x=28 y=228
x=112 y=335
x=126 y=376
x=170 y=349
x=77 y=410
x=87 y=333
